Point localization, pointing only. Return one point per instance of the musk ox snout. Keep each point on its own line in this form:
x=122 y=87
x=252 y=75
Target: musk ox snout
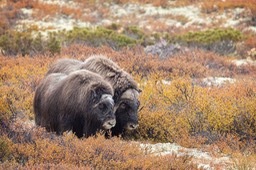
x=109 y=124
x=131 y=126
x=132 y=122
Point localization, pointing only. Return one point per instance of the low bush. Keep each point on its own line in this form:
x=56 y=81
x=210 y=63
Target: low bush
x=222 y=41
x=97 y=37
x=28 y=42
x=25 y=43
x=38 y=149
x=18 y=79
x=180 y=106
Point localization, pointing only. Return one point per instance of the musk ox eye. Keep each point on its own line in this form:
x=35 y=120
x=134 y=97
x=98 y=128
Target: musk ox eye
x=124 y=106
x=102 y=106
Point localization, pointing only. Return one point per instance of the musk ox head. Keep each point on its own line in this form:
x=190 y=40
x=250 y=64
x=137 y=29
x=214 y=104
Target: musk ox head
x=89 y=97
x=104 y=112
x=126 y=111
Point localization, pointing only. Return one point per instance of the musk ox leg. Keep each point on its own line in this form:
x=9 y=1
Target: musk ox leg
x=78 y=126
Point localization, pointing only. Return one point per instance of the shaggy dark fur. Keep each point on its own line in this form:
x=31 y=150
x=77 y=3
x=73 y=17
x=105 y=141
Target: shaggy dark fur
x=126 y=90
x=81 y=102
x=65 y=66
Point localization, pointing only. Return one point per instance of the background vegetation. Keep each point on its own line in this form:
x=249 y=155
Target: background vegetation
x=178 y=105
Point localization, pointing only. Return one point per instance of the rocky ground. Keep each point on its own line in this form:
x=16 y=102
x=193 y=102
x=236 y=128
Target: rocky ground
x=204 y=160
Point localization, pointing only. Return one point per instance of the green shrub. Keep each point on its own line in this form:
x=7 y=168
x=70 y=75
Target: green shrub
x=97 y=37
x=114 y=26
x=28 y=43
x=135 y=32
x=39 y=44
x=218 y=40
x=138 y=34
x=13 y=43
x=53 y=44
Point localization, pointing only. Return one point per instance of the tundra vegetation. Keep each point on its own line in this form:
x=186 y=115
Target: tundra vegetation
x=177 y=105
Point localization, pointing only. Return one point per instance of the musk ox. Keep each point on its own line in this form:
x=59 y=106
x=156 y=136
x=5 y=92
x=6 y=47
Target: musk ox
x=126 y=91
x=80 y=102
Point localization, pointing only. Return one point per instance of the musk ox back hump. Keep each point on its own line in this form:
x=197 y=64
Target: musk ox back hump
x=110 y=71
x=65 y=66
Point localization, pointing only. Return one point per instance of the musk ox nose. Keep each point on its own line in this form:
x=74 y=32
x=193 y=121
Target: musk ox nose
x=109 y=124
x=112 y=122
x=132 y=126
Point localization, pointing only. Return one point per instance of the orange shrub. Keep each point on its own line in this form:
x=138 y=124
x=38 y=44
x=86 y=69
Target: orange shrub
x=38 y=149
x=193 y=110
x=19 y=78
x=173 y=110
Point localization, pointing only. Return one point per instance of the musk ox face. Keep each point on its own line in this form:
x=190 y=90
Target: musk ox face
x=126 y=110
x=104 y=112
